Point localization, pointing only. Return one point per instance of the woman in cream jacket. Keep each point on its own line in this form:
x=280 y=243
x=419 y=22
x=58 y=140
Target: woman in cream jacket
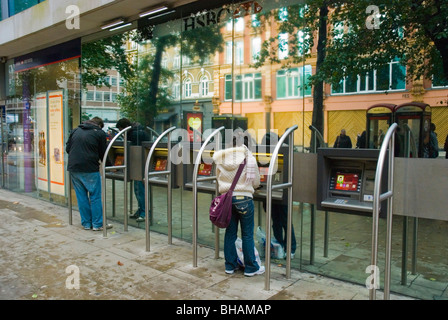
x=227 y=163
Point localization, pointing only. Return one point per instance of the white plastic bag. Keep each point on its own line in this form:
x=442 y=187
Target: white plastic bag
x=239 y=251
x=277 y=251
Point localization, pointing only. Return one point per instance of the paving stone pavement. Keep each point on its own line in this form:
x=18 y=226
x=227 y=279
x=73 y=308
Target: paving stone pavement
x=42 y=256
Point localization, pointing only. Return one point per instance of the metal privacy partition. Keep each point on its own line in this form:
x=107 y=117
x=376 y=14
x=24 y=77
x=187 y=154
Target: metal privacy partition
x=288 y=133
x=196 y=179
x=378 y=197
x=167 y=173
x=317 y=137
x=410 y=148
x=105 y=168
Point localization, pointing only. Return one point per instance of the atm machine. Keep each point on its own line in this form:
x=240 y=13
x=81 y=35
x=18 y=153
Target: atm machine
x=263 y=156
x=206 y=169
x=379 y=118
x=116 y=158
x=416 y=118
x=346 y=180
x=159 y=163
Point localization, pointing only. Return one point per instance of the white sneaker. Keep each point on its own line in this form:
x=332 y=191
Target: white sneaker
x=251 y=274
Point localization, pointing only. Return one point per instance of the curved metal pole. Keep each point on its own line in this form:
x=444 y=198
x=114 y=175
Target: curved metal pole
x=319 y=136
x=195 y=194
x=389 y=141
x=269 y=205
x=103 y=176
x=154 y=132
x=168 y=173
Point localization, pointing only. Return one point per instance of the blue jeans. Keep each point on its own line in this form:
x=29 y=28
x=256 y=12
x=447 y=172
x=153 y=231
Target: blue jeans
x=87 y=187
x=242 y=211
x=139 y=191
x=279 y=215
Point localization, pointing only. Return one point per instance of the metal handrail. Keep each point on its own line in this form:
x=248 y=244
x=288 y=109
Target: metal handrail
x=103 y=177
x=389 y=141
x=318 y=136
x=169 y=194
x=288 y=132
x=195 y=195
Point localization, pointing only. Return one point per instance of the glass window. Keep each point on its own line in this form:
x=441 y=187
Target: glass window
x=282 y=46
x=256 y=48
x=439 y=81
x=187 y=88
x=239 y=24
x=228 y=87
x=301 y=38
x=292 y=83
x=389 y=77
x=229 y=52
x=90 y=95
x=255 y=21
x=247 y=87
x=239 y=52
x=338 y=30
x=204 y=86
x=16 y=6
x=283 y=14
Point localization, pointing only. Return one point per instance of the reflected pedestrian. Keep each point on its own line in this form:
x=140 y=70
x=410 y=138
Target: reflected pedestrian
x=343 y=140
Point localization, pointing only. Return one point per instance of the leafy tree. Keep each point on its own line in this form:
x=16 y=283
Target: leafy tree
x=146 y=90
x=414 y=31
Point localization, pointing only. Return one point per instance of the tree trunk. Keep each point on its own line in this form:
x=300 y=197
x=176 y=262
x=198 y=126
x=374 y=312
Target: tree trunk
x=154 y=83
x=318 y=93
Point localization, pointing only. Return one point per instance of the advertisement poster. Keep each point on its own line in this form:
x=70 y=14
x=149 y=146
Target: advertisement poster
x=41 y=141
x=56 y=141
x=194 y=126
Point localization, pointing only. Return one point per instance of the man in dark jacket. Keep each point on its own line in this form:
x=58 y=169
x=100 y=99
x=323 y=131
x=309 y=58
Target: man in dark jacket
x=86 y=147
x=343 y=141
x=136 y=135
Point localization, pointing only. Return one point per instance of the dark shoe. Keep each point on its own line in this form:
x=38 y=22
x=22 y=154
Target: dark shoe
x=135 y=215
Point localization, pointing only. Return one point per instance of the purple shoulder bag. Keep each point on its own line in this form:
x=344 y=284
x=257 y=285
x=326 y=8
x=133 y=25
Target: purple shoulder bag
x=221 y=207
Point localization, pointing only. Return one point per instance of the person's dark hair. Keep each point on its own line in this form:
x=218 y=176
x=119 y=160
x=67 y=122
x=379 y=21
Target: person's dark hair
x=98 y=121
x=433 y=126
x=123 y=123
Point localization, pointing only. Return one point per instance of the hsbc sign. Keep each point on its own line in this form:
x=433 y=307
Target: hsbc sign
x=212 y=17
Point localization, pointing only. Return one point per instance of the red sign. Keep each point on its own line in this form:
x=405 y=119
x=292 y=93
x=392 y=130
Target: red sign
x=194 y=126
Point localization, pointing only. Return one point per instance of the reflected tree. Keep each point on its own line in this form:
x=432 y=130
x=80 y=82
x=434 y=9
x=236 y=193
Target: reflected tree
x=354 y=37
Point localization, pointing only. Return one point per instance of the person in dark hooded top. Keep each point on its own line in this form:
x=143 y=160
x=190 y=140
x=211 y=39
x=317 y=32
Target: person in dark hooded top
x=86 y=146
x=136 y=136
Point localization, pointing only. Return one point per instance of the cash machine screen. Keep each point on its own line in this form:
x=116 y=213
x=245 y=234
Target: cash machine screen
x=205 y=169
x=346 y=181
x=160 y=164
x=263 y=173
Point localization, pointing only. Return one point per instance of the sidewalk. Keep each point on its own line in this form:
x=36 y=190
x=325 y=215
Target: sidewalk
x=40 y=254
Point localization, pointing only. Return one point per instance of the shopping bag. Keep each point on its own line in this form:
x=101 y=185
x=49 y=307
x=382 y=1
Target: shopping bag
x=239 y=251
